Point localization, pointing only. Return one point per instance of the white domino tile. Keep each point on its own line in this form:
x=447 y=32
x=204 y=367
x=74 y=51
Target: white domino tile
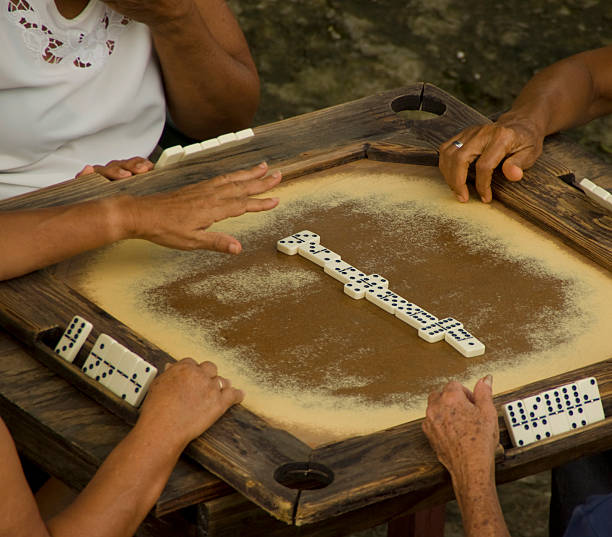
x=192 y=150
x=94 y=362
x=289 y=245
x=170 y=155
x=225 y=138
x=435 y=332
x=419 y=319
x=73 y=338
x=464 y=342
x=384 y=299
x=403 y=311
x=317 y=253
x=119 y=370
x=591 y=400
x=520 y=430
x=377 y=279
x=209 y=144
x=432 y=333
x=553 y=412
x=356 y=289
x=244 y=134
x=140 y=380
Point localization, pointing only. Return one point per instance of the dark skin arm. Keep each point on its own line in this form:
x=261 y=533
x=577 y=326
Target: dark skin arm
x=210 y=79
x=567 y=94
x=181 y=404
x=462 y=429
x=39 y=237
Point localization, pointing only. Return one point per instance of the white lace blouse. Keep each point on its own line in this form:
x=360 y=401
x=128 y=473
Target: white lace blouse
x=73 y=92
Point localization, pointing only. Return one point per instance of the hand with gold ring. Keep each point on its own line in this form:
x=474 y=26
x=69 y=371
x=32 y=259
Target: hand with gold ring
x=187 y=399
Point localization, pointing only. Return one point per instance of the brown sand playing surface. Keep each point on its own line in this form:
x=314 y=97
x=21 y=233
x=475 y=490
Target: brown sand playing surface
x=325 y=366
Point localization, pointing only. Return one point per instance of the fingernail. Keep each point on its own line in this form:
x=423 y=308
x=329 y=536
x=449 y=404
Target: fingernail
x=263 y=165
x=488 y=380
x=460 y=198
x=234 y=249
x=124 y=173
x=276 y=175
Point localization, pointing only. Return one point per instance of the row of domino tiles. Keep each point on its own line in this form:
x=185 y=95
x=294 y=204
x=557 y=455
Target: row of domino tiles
x=374 y=288
x=553 y=412
x=174 y=154
x=111 y=364
x=599 y=195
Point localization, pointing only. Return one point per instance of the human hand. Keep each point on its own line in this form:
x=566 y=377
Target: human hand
x=179 y=219
x=186 y=399
x=462 y=429
x=119 y=169
x=516 y=138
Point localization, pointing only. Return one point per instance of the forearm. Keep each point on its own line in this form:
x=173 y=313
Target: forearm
x=480 y=510
x=123 y=490
x=210 y=88
x=568 y=93
x=36 y=238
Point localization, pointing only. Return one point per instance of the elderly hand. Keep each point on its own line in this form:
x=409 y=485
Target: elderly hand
x=515 y=139
x=462 y=429
x=179 y=219
x=119 y=169
x=187 y=399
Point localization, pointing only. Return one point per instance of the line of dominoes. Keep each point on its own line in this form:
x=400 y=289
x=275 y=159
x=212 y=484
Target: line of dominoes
x=111 y=364
x=375 y=288
x=174 y=154
x=553 y=412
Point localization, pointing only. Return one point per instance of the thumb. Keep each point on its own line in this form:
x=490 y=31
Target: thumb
x=514 y=165
x=483 y=392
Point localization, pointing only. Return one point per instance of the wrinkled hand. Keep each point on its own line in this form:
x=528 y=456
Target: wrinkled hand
x=119 y=169
x=152 y=13
x=187 y=399
x=518 y=141
x=179 y=219
x=462 y=429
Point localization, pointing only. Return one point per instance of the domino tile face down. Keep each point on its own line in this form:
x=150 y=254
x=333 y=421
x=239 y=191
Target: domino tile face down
x=209 y=144
x=170 y=155
x=73 y=338
x=435 y=332
x=464 y=342
x=244 y=134
x=225 y=138
x=289 y=245
x=317 y=253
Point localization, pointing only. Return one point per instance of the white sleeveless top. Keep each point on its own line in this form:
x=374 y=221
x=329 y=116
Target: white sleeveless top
x=73 y=92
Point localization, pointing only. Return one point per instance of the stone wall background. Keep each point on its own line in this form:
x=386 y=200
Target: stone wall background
x=317 y=53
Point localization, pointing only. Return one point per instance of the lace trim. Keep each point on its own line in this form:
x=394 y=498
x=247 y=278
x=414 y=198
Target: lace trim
x=54 y=46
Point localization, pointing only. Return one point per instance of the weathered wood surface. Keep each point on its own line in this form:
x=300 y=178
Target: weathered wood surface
x=241 y=447
x=69 y=435
x=368 y=470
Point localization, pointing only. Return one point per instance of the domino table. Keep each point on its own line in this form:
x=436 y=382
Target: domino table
x=358 y=155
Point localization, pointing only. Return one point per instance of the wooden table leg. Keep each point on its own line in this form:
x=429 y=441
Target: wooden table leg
x=425 y=523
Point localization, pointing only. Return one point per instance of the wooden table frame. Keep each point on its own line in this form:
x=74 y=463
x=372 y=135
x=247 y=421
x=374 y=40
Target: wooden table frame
x=241 y=448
